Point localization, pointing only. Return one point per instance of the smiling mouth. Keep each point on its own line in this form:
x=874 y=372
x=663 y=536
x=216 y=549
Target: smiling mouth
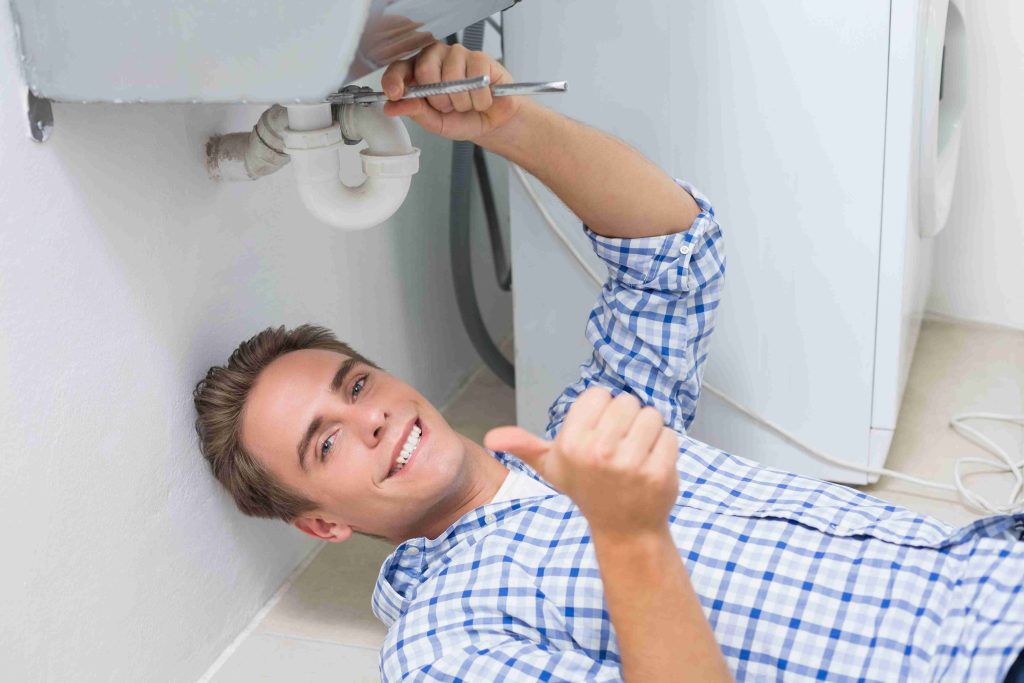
x=409 y=449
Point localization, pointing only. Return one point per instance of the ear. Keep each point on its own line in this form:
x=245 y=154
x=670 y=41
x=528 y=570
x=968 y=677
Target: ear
x=320 y=528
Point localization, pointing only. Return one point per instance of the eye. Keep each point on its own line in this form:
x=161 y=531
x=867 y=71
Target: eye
x=357 y=388
x=325 y=449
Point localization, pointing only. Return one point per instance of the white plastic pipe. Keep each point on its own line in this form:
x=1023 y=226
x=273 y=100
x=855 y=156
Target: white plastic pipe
x=252 y=155
x=313 y=140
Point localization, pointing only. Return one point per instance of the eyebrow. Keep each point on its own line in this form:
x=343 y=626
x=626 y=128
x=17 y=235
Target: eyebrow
x=336 y=383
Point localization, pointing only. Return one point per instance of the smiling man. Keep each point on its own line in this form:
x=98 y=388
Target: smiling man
x=618 y=547
x=374 y=454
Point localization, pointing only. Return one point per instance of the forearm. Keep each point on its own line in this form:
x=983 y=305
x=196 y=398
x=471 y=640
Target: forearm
x=662 y=632
x=613 y=188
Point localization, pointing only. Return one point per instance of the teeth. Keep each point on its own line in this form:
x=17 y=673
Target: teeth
x=408 y=448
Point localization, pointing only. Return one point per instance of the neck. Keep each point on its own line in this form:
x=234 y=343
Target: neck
x=484 y=476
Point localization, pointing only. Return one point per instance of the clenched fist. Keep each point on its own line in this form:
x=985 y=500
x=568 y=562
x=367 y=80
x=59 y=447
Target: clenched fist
x=462 y=116
x=615 y=460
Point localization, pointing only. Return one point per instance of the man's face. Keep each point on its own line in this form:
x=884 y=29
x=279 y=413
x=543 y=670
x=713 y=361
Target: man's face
x=333 y=429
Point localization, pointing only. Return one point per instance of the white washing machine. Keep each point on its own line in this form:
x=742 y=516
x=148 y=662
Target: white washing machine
x=826 y=134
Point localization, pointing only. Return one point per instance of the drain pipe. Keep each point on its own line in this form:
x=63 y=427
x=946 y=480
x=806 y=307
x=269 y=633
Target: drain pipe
x=252 y=155
x=308 y=136
x=313 y=140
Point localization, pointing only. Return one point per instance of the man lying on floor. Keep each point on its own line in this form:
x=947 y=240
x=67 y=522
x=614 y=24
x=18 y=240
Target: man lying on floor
x=618 y=547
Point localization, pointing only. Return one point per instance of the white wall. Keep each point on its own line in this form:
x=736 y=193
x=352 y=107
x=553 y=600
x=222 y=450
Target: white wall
x=124 y=274
x=978 y=272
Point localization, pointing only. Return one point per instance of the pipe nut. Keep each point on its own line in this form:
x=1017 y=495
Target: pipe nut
x=313 y=139
x=399 y=166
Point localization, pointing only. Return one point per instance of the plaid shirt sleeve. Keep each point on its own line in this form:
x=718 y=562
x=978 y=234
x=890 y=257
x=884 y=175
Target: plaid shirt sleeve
x=653 y=319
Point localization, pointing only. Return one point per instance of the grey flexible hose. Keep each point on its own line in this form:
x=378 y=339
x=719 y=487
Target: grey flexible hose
x=502 y=268
x=462 y=271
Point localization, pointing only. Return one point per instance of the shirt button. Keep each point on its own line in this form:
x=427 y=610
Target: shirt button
x=490 y=518
x=686 y=248
x=412 y=550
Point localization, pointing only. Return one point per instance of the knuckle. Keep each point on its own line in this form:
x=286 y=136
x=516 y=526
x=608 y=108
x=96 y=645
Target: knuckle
x=602 y=450
x=437 y=47
x=660 y=475
x=478 y=60
x=424 y=73
x=650 y=479
x=651 y=431
x=567 y=446
x=628 y=400
x=425 y=65
x=621 y=469
x=453 y=63
x=651 y=413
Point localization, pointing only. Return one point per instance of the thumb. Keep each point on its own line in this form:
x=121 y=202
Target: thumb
x=519 y=442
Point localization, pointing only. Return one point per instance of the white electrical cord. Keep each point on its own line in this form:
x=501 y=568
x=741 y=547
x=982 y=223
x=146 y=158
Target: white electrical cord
x=552 y=224
x=1015 y=501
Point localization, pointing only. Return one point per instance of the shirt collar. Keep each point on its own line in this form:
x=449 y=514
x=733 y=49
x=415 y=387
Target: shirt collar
x=417 y=559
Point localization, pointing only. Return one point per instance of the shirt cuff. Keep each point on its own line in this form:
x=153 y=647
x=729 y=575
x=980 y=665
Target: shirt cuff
x=638 y=261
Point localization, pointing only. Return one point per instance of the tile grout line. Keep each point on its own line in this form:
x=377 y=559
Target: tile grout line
x=461 y=389
x=470 y=378
x=259 y=616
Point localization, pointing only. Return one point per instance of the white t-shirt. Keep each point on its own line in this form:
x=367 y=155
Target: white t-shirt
x=518 y=485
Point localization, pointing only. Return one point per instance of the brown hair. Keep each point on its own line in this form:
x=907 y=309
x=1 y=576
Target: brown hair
x=220 y=401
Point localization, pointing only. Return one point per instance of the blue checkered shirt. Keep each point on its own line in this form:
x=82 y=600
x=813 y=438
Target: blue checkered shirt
x=800 y=579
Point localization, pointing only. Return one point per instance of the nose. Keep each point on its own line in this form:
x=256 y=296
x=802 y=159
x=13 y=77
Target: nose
x=371 y=424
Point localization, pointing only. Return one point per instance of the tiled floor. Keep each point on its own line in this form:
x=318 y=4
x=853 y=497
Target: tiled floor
x=322 y=627
x=957 y=369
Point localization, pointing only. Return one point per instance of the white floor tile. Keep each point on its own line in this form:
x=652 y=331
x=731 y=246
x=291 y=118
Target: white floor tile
x=484 y=403
x=330 y=601
x=957 y=368
x=266 y=658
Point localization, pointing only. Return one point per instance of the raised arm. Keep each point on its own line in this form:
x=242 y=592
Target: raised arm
x=613 y=188
x=616 y=461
